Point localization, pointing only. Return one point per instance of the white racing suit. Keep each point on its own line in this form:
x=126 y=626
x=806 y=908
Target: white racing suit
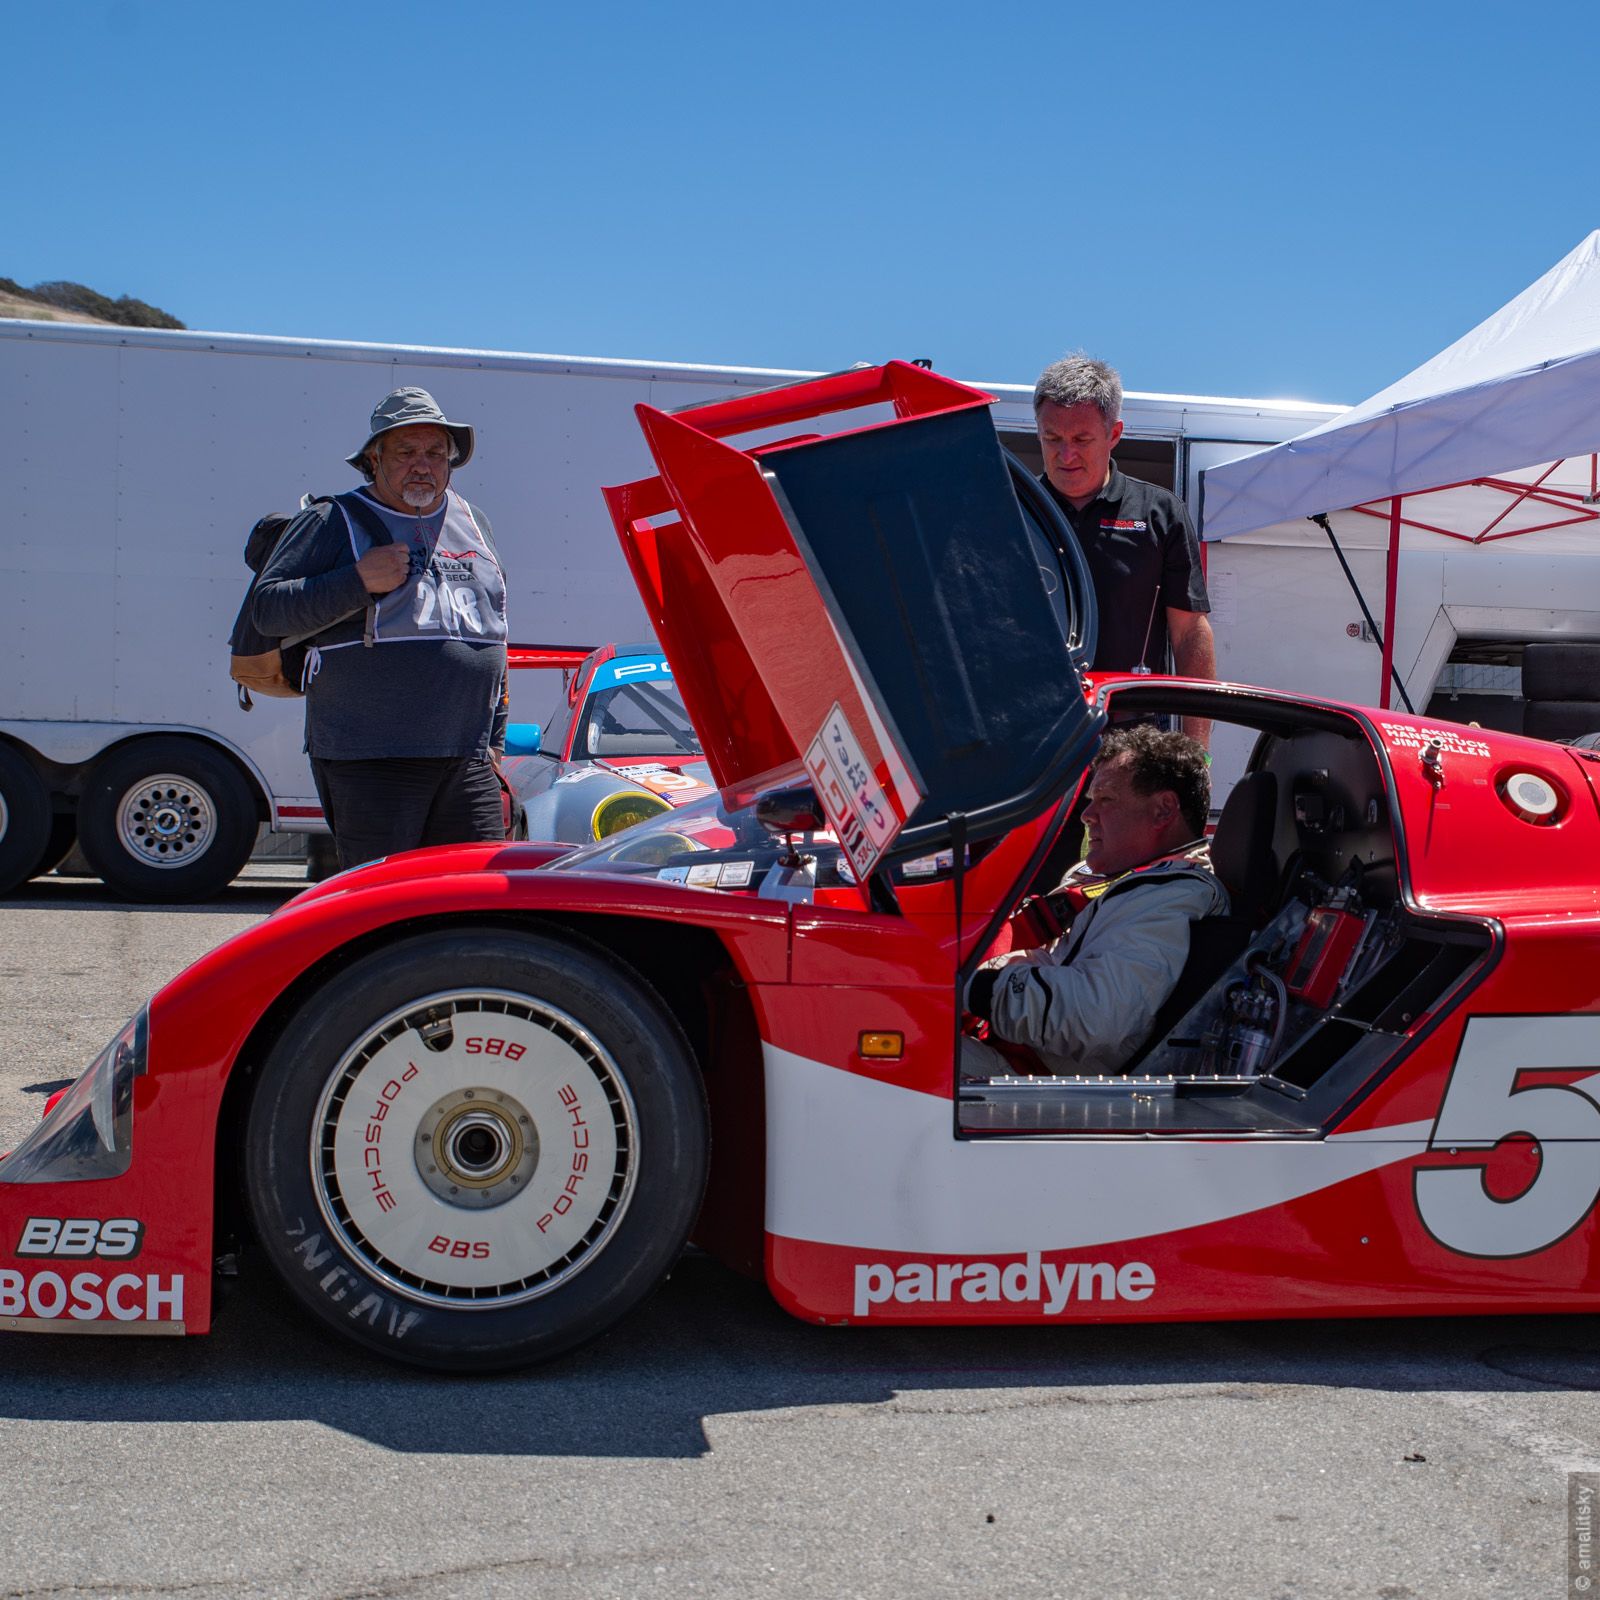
x=1087 y=1001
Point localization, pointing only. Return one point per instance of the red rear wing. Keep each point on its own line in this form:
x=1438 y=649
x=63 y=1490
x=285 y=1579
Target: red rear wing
x=827 y=599
x=564 y=656
x=765 y=675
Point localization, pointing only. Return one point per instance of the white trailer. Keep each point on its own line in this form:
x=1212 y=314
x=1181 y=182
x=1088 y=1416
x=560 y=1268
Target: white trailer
x=138 y=461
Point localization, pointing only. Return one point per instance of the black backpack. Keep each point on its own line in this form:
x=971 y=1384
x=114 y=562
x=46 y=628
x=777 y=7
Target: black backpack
x=260 y=663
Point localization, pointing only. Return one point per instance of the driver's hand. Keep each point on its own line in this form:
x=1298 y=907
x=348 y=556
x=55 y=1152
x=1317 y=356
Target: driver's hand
x=980 y=991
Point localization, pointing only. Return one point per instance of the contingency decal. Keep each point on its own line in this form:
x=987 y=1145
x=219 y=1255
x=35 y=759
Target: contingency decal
x=710 y=875
x=660 y=779
x=73 y=1238
x=857 y=807
x=1045 y=1286
x=90 y=1296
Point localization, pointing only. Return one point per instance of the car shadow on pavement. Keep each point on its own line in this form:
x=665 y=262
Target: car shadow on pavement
x=710 y=1343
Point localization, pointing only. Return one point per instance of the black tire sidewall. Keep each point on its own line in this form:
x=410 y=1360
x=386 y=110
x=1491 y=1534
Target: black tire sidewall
x=606 y=998
x=1561 y=669
x=27 y=824
x=233 y=806
x=1560 y=719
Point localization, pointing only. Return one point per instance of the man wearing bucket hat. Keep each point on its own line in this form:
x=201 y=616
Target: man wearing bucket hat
x=401 y=590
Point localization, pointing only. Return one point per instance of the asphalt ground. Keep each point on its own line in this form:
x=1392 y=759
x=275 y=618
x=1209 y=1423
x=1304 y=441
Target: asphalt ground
x=710 y=1445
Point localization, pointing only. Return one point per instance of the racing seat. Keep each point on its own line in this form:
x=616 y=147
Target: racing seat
x=1242 y=853
x=1243 y=858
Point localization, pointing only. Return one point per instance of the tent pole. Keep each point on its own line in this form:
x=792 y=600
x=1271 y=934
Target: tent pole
x=1321 y=520
x=1391 y=586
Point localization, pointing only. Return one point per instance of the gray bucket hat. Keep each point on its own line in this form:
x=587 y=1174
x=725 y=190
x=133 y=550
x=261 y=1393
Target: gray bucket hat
x=408 y=408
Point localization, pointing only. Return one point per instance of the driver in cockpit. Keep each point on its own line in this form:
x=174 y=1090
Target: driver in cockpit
x=1085 y=1002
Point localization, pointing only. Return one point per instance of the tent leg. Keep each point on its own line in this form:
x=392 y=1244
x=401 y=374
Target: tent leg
x=1391 y=588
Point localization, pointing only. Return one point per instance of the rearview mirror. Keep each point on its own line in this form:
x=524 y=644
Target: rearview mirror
x=785 y=811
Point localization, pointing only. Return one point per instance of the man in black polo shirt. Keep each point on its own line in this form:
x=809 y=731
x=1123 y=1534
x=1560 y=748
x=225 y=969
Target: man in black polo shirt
x=1140 y=545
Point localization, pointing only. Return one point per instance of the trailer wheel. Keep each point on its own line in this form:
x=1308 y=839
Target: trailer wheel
x=167 y=819
x=24 y=818
x=476 y=1148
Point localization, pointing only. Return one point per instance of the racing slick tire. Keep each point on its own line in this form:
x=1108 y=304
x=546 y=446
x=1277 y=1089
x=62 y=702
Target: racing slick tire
x=1561 y=669
x=1561 y=719
x=167 y=819
x=476 y=1148
x=24 y=818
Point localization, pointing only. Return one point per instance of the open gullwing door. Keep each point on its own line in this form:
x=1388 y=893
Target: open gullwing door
x=872 y=602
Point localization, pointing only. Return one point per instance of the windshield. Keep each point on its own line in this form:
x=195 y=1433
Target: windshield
x=706 y=846
x=635 y=719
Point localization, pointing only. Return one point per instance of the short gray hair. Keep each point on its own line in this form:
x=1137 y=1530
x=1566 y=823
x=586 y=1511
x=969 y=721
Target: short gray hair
x=1078 y=380
x=369 y=456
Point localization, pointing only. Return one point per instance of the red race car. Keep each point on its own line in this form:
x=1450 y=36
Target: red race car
x=478 y=1098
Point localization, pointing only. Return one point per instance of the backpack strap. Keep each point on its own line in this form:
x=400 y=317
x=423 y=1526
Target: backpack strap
x=364 y=517
x=377 y=532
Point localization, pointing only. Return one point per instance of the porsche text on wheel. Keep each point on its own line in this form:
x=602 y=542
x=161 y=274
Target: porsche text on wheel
x=475 y=1149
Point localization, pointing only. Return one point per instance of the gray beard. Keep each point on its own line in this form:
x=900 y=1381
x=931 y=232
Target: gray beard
x=419 y=499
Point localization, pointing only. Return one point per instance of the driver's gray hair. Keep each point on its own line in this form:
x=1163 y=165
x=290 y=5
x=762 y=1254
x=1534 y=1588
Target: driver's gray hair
x=1078 y=380
x=369 y=456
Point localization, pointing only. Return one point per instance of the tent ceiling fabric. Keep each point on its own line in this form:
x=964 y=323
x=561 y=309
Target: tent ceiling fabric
x=1522 y=387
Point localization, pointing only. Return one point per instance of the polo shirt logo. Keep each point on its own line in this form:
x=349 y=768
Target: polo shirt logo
x=1122 y=525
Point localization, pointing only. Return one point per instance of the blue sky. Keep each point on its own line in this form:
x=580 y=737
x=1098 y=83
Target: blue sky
x=1267 y=200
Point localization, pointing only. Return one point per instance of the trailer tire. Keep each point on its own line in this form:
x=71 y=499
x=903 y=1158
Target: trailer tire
x=1561 y=669
x=475 y=1148
x=24 y=818
x=167 y=819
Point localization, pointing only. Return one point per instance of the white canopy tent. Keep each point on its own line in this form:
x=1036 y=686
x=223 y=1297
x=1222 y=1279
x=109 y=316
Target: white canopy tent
x=1479 y=444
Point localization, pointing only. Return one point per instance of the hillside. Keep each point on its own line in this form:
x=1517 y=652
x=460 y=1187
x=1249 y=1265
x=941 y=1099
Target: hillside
x=75 y=302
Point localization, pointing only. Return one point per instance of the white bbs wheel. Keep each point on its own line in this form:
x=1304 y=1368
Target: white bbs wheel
x=475 y=1149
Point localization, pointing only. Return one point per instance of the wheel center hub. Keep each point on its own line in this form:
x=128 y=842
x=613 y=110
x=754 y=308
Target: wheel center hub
x=167 y=820
x=477 y=1148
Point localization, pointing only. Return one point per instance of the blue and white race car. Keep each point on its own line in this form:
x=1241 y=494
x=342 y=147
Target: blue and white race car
x=618 y=746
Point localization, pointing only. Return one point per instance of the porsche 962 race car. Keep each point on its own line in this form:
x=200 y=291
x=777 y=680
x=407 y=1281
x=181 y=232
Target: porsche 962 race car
x=478 y=1098
x=619 y=747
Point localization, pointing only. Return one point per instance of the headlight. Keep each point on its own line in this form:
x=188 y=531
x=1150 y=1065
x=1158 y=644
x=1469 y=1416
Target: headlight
x=89 y=1134
x=623 y=809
